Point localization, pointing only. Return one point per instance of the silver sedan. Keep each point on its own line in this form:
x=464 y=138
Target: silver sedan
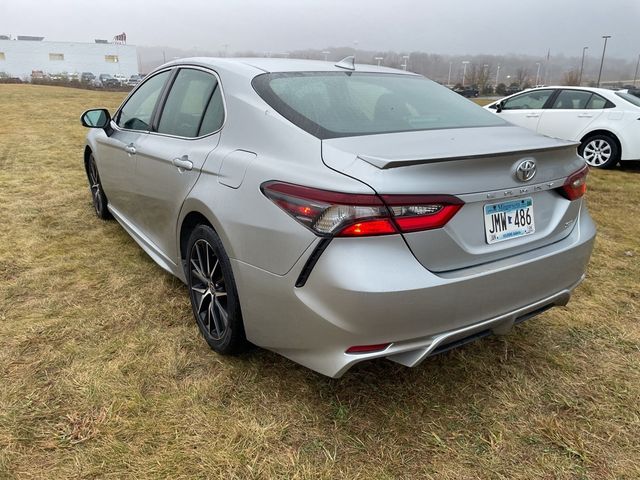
x=339 y=213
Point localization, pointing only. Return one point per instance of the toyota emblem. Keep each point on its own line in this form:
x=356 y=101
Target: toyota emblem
x=526 y=170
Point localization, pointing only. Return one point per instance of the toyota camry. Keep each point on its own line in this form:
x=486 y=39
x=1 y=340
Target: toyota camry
x=336 y=213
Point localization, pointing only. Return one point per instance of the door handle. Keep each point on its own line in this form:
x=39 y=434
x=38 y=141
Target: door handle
x=130 y=149
x=533 y=115
x=585 y=115
x=183 y=163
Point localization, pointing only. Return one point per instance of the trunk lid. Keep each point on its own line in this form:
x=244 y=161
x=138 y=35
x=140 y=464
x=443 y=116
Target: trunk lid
x=478 y=166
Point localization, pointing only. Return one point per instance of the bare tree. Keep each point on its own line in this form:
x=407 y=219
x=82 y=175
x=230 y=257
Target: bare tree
x=572 y=77
x=522 y=76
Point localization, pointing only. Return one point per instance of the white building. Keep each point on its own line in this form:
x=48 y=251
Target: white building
x=18 y=58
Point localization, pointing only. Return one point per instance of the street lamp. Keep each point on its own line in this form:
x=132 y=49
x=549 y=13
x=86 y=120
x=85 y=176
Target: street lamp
x=464 y=71
x=326 y=54
x=584 y=49
x=604 y=49
x=497 y=75
x=406 y=60
x=378 y=59
x=538 y=73
x=449 y=78
x=636 y=74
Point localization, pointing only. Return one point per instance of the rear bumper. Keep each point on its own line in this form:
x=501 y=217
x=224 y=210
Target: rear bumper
x=372 y=290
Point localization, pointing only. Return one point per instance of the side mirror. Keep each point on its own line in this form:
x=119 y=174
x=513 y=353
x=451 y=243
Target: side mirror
x=499 y=106
x=96 y=118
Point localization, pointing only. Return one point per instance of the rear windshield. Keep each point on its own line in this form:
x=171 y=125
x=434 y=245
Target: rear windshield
x=629 y=98
x=344 y=104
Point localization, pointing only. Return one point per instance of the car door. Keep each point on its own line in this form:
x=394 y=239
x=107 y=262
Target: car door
x=571 y=113
x=116 y=153
x=186 y=130
x=526 y=109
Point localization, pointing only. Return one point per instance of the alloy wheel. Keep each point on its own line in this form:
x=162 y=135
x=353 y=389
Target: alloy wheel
x=94 y=185
x=597 y=152
x=208 y=288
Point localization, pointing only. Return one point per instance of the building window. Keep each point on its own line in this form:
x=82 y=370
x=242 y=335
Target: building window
x=111 y=58
x=2 y=57
x=56 y=57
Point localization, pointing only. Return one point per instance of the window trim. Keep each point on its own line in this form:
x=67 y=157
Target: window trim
x=545 y=105
x=165 y=95
x=162 y=98
x=116 y=115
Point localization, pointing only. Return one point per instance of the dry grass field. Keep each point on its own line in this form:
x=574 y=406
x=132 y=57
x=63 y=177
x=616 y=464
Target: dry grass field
x=103 y=373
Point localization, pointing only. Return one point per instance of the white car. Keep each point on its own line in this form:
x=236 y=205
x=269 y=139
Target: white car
x=606 y=123
x=120 y=77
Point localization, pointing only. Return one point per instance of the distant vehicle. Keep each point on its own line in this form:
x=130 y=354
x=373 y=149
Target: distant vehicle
x=133 y=80
x=120 y=77
x=513 y=89
x=604 y=122
x=37 y=75
x=469 y=92
x=368 y=221
x=105 y=80
x=87 y=77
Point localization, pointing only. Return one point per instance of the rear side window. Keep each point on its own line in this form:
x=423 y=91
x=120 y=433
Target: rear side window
x=598 y=103
x=194 y=105
x=572 y=100
x=342 y=104
x=136 y=113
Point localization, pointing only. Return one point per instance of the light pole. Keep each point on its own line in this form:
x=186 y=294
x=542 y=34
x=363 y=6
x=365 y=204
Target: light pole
x=464 y=70
x=326 y=54
x=378 y=59
x=449 y=78
x=538 y=73
x=497 y=75
x=604 y=49
x=584 y=50
x=635 y=76
x=226 y=48
x=406 y=61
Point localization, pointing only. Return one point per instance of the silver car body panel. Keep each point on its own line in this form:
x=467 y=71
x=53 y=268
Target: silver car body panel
x=361 y=291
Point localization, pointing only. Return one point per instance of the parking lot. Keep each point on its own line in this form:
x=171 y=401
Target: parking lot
x=103 y=369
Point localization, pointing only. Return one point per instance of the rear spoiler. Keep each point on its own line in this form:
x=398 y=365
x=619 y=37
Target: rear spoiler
x=384 y=163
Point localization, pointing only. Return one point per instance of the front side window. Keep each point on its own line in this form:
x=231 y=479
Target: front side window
x=194 y=105
x=341 y=104
x=528 y=101
x=136 y=113
x=571 y=100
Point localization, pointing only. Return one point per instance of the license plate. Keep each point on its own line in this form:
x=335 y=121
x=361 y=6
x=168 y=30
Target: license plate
x=507 y=220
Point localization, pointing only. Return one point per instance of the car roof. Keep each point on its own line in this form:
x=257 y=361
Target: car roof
x=255 y=66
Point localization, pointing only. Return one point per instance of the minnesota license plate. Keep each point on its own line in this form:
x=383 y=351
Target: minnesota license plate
x=507 y=220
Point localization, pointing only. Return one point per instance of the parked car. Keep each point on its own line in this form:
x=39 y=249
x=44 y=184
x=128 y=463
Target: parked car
x=121 y=78
x=513 y=89
x=87 y=77
x=468 y=92
x=348 y=212
x=133 y=80
x=604 y=122
x=105 y=80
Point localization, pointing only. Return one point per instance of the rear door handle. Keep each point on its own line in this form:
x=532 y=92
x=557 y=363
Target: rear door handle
x=130 y=149
x=585 y=115
x=183 y=163
x=533 y=115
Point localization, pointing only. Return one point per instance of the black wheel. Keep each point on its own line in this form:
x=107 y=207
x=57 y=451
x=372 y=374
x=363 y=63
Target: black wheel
x=98 y=197
x=600 y=151
x=214 y=299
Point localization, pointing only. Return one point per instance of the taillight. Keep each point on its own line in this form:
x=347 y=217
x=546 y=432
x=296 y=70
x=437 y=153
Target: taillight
x=576 y=185
x=367 y=348
x=329 y=213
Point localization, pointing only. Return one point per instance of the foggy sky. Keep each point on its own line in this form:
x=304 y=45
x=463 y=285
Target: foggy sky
x=446 y=26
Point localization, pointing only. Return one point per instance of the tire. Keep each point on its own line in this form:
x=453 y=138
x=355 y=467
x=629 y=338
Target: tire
x=600 y=151
x=98 y=196
x=213 y=293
